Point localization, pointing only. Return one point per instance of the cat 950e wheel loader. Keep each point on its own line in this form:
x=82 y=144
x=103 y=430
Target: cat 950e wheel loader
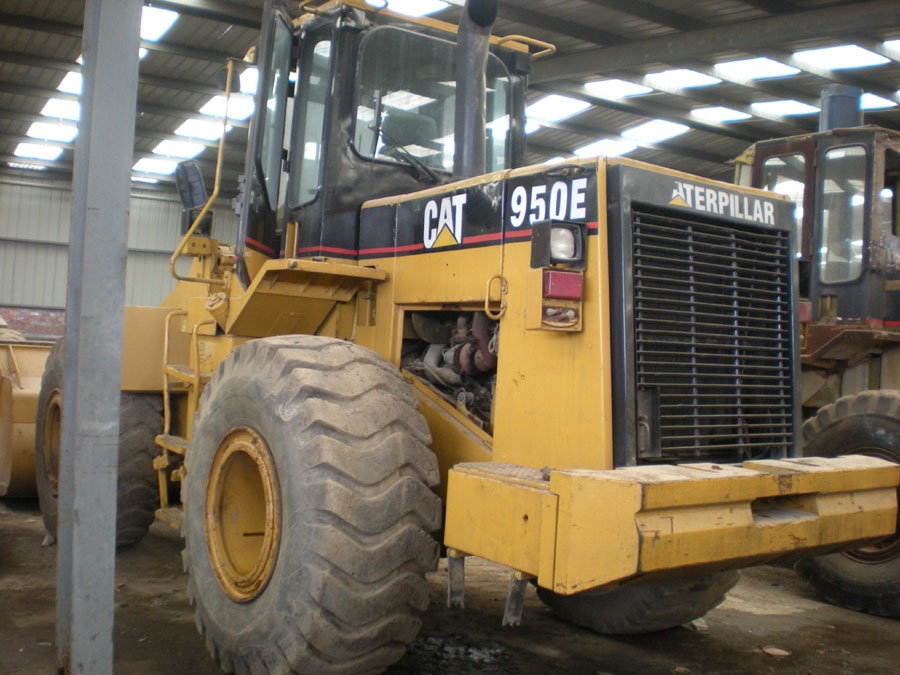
x=583 y=371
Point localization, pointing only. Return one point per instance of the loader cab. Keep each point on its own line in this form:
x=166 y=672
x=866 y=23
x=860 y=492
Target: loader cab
x=844 y=185
x=354 y=104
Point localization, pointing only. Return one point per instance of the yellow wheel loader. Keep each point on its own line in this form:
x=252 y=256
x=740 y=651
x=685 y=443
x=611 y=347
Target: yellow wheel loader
x=585 y=372
x=21 y=365
x=843 y=182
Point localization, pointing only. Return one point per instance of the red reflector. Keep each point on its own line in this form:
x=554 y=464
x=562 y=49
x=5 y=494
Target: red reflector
x=564 y=285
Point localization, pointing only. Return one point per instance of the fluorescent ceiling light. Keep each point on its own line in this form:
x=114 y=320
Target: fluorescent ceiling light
x=843 y=56
x=202 y=129
x=655 y=131
x=754 y=69
x=719 y=114
x=410 y=7
x=406 y=100
x=680 y=78
x=554 y=108
x=616 y=88
x=23 y=165
x=144 y=179
x=48 y=131
x=873 y=102
x=71 y=83
x=249 y=80
x=786 y=107
x=240 y=107
x=606 y=147
x=156 y=22
x=555 y=160
x=153 y=165
x=34 y=151
x=62 y=109
x=182 y=149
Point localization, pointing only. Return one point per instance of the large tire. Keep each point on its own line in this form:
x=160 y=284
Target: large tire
x=140 y=420
x=308 y=509
x=867 y=578
x=642 y=608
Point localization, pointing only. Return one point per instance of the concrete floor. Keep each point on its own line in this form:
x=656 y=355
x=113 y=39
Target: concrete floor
x=155 y=630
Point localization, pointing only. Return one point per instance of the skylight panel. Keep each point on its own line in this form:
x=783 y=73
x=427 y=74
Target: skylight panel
x=182 y=149
x=202 y=129
x=240 y=107
x=784 y=108
x=555 y=108
x=24 y=165
x=873 y=102
x=165 y=167
x=606 y=147
x=754 y=69
x=156 y=22
x=531 y=126
x=616 y=88
x=410 y=7
x=719 y=114
x=655 y=131
x=144 y=179
x=555 y=160
x=71 y=83
x=249 y=80
x=842 y=56
x=47 y=131
x=680 y=78
x=48 y=153
x=62 y=109
x=406 y=100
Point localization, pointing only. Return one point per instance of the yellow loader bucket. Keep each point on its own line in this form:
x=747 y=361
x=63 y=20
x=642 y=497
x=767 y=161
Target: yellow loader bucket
x=21 y=368
x=574 y=530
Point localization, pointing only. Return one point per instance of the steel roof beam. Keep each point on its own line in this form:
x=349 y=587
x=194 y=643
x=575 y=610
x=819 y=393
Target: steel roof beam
x=213 y=10
x=749 y=35
x=74 y=31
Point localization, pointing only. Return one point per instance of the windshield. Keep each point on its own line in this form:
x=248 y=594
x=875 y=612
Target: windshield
x=407 y=100
x=843 y=210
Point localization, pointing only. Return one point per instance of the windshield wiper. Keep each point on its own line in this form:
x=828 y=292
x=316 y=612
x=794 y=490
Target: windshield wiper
x=404 y=154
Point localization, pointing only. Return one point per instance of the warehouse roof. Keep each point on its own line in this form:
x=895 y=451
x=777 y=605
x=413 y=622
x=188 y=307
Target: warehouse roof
x=686 y=84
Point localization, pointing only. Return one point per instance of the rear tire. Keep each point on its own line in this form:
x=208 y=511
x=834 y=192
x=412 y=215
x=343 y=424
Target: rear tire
x=865 y=579
x=642 y=608
x=140 y=420
x=308 y=509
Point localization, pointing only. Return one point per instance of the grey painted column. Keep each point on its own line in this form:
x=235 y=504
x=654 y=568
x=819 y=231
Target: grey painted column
x=94 y=311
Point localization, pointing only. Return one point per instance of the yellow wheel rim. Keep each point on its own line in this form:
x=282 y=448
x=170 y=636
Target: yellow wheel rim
x=242 y=514
x=51 y=433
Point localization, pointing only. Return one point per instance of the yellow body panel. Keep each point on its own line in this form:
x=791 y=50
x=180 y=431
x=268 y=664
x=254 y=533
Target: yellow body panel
x=612 y=526
x=21 y=368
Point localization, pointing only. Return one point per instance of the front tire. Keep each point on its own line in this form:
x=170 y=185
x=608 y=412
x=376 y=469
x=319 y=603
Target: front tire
x=308 y=509
x=140 y=420
x=642 y=608
x=865 y=579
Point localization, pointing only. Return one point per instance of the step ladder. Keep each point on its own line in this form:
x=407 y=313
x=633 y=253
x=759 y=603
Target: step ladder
x=177 y=378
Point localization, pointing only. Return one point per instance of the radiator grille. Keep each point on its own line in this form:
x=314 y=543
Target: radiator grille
x=712 y=338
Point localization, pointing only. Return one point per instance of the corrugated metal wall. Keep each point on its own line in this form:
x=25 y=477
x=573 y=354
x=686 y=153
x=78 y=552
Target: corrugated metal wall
x=35 y=216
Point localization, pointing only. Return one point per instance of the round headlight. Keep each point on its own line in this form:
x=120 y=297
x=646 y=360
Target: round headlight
x=562 y=243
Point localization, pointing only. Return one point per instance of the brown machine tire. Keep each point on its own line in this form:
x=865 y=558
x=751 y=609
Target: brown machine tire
x=308 y=509
x=140 y=419
x=642 y=608
x=865 y=579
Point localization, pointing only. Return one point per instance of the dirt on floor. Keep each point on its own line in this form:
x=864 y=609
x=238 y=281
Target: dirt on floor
x=155 y=633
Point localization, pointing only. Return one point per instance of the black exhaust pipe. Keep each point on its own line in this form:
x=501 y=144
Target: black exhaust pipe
x=473 y=41
x=840 y=107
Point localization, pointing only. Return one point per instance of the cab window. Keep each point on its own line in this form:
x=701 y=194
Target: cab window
x=843 y=207
x=786 y=175
x=406 y=101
